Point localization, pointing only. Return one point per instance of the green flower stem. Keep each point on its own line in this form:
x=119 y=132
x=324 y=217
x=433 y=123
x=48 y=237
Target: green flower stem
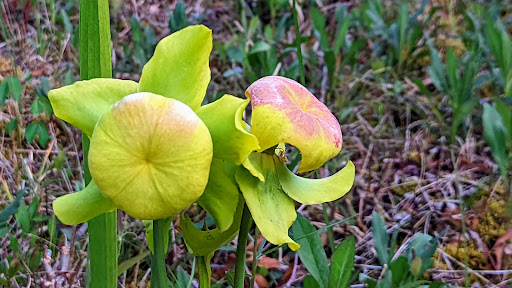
x=95 y=62
x=245 y=226
x=330 y=232
x=158 y=269
x=204 y=271
x=254 y=257
x=298 y=43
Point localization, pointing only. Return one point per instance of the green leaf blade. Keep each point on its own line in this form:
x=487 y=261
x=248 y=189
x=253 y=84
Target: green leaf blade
x=342 y=264
x=312 y=251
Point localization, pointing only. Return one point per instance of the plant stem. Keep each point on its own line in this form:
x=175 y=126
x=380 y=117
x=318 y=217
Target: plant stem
x=298 y=43
x=95 y=62
x=330 y=233
x=245 y=225
x=158 y=269
x=254 y=257
x=203 y=264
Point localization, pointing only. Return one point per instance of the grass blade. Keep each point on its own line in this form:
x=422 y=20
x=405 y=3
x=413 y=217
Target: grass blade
x=380 y=237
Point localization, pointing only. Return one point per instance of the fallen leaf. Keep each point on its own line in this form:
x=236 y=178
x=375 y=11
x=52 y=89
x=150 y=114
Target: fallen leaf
x=500 y=246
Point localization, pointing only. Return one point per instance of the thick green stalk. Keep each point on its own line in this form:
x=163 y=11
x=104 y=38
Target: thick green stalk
x=158 y=269
x=245 y=226
x=203 y=264
x=298 y=43
x=95 y=62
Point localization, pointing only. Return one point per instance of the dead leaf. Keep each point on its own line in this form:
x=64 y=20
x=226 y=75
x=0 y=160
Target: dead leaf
x=261 y=281
x=500 y=246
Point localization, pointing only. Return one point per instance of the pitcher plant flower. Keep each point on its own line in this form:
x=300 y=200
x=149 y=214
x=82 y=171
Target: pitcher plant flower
x=283 y=111
x=152 y=143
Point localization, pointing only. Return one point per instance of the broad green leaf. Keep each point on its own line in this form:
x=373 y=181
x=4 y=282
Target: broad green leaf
x=4 y=92
x=342 y=264
x=180 y=68
x=80 y=207
x=14 y=87
x=436 y=71
x=286 y=112
x=423 y=246
x=231 y=141
x=12 y=208
x=259 y=46
x=315 y=191
x=312 y=252
x=83 y=103
x=506 y=116
x=23 y=218
x=38 y=129
x=400 y=270
x=310 y=282
x=452 y=67
x=318 y=20
x=496 y=135
x=202 y=243
x=220 y=197
x=272 y=210
x=149 y=232
x=380 y=238
x=151 y=156
x=12 y=125
x=41 y=105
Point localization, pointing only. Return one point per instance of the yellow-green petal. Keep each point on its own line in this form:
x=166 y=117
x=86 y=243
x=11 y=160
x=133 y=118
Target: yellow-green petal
x=315 y=191
x=285 y=111
x=150 y=156
x=272 y=210
x=202 y=243
x=80 y=207
x=220 y=197
x=180 y=68
x=254 y=165
x=231 y=141
x=82 y=103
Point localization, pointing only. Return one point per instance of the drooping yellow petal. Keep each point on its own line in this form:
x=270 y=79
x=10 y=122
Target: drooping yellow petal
x=220 y=197
x=80 y=207
x=180 y=67
x=151 y=156
x=285 y=111
x=231 y=141
x=272 y=210
x=315 y=191
x=83 y=103
x=254 y=165
x=202 y=243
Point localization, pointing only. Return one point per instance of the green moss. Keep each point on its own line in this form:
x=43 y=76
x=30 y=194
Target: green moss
x=494 y=222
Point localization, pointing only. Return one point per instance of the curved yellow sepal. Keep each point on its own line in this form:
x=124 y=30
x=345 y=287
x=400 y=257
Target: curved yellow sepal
x=220 y=197
x=83 y=103
x=231 y=141
x=202 y=243
x=272 y=210
x=150 y=156
x=80 y=207
x=254 y=165
x=315 y=191
x=285 y=111
x=180 y=67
